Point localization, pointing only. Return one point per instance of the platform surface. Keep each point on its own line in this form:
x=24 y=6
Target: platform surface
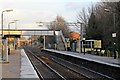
x=19 y=66
x=100 y=59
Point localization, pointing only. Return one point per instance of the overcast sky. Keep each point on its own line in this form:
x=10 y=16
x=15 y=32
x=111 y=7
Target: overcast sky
x=28 y=12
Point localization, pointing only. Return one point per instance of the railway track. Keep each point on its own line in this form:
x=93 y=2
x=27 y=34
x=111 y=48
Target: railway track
x=79 y=71
x=44 y=71
x=62 y=71
x=82 y=70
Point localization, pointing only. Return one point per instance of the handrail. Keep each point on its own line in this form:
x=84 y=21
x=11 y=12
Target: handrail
x=63 y=38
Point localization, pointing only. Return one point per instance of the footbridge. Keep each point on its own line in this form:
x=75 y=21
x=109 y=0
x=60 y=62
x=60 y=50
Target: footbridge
x=32 y=32
x=56 y=36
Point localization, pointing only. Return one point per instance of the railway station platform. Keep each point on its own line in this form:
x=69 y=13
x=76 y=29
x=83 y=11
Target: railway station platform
x=102 y=65
x=18 y=67
x=100 y=59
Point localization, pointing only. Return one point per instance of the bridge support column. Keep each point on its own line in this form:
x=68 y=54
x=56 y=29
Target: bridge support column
x=44 y=42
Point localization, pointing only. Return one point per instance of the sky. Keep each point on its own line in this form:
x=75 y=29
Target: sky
x=28 y=12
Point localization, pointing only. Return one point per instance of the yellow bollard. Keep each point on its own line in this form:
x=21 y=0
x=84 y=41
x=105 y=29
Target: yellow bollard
x=116 y=54
x=108 y=53
x=102 y=52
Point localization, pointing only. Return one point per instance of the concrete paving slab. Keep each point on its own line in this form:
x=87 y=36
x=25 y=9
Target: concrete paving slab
x=12 y=69
x=19 y=67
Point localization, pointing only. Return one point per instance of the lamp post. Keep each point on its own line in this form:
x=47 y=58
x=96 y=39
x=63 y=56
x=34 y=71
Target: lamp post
x=83 y=44
x=55 y=45
x=15 y=39
x=9 y=25
x=107 y=10
x=9 y=37
x=114 y=30
x=81 y=36
x=2 y=27
x=15 y=21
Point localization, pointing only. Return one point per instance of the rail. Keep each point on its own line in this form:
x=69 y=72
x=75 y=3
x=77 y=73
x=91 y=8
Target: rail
x=41 y=77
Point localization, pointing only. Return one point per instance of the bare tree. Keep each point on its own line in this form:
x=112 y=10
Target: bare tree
x=83 y=16
x=60 y=24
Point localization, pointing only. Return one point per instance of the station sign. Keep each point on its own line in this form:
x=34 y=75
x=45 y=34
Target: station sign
x=97 y=44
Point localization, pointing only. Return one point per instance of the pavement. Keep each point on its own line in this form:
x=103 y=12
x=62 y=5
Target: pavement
x=18 y=66
x=100 y=59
